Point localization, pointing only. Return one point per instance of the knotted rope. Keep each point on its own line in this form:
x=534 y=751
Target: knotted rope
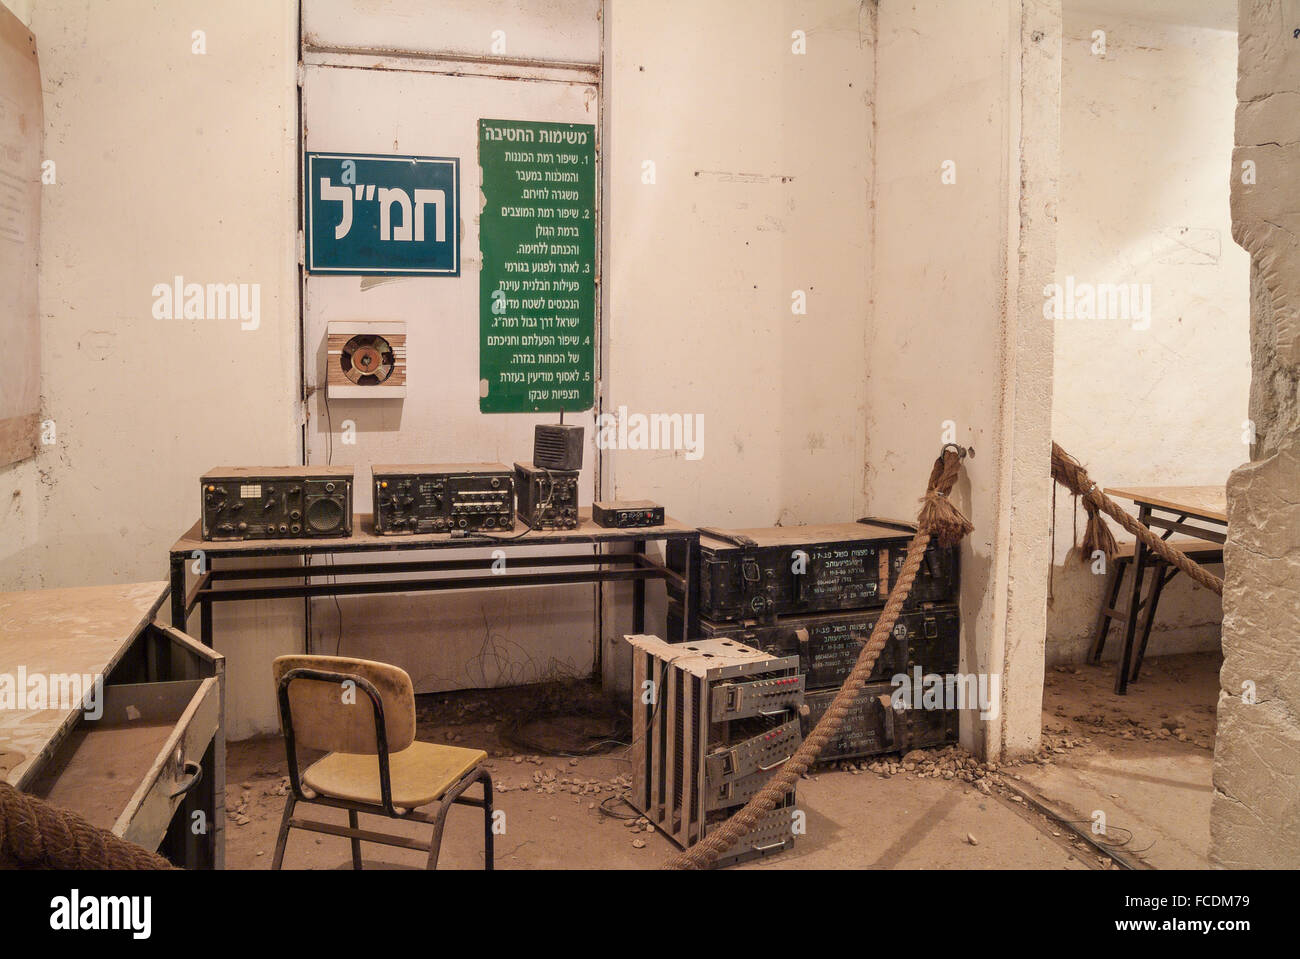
x=938 y=519
x=1070 y=473
x=36 y=835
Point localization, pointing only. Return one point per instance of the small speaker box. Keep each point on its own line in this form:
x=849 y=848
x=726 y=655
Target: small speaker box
x=557 y=447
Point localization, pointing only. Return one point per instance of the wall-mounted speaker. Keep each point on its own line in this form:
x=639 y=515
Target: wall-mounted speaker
x=365 y=360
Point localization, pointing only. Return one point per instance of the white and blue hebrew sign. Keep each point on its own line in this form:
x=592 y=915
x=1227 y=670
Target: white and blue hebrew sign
x=387 y=215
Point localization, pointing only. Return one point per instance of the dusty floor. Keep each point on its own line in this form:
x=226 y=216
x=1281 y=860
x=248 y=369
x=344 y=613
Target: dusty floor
x=1143 y=760
x=1148 y=768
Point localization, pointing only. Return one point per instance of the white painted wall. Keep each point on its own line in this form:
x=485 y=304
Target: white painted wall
x=762 y=182
x=167 y=163
x=563 y=31
x=22 y=9
x=1147 y=136
x=20 y=481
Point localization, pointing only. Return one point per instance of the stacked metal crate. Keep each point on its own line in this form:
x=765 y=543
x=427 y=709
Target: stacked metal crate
x=711 y=720
x=816 y=592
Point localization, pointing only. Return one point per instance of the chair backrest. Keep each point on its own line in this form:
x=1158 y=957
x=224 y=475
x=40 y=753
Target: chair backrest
x=328 y=715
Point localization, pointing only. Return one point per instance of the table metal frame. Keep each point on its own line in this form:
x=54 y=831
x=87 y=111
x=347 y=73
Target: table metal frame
x=217 y=582
x=1171 y=520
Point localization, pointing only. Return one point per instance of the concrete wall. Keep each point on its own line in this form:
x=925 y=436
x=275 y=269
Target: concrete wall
x=1255 y=818
x=957 y=348
x=19 y=481
x=762 y=187
x=1146 y=128
x=22 y=9
x=168 y=163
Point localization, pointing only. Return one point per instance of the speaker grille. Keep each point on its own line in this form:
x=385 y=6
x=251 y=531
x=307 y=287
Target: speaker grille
x=557 y=447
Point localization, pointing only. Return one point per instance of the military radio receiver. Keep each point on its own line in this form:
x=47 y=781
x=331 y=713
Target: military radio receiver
x=548 y=499
x=278 y=502
x=627 y=514
x=442 y=498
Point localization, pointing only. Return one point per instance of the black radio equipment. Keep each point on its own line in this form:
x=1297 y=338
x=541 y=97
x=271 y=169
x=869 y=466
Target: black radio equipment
x=277 y=502
x=548 y=499
x=440 y=498
x=759 y=574
x=627 y=514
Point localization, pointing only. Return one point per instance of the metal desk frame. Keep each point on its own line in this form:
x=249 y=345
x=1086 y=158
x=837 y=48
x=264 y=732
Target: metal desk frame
x=214 y=584
x=1172 y=520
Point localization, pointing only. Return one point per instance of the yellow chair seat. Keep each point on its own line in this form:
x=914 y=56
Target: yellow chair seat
x=419 y=774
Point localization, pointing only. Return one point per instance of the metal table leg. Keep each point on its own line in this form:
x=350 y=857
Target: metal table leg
x=205 y=621
x=178 y=590
x=638 y=594
x=691 y=602
x=1162 y=576
x=1135 y=604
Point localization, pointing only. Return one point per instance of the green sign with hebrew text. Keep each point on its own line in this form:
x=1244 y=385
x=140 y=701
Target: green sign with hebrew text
x=537 y=288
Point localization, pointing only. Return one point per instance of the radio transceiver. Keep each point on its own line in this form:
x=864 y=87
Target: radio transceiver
x=764 y=573
x=548 y=499
x=627 y=514
x=277 y=502
x=441 y=498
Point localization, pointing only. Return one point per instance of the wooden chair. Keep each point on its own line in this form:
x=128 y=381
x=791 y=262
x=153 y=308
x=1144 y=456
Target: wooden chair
x=362 y=714
x=1198 y=549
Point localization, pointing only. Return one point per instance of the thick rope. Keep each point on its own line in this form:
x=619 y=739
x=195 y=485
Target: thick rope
x=1071 y=474
x=36 y=835
x=938 y=519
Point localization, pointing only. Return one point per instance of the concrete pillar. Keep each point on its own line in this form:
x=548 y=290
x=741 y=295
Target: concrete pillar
x=1255 y=816
x=967 y=141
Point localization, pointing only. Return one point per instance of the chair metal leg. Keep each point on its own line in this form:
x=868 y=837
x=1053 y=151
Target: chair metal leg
x=356 y=843
x=435 y=844
x=283 y=837
x=489 y=855
x=451 y=798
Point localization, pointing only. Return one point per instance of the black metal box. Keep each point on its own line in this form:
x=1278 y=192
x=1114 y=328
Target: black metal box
x=828 y=645
x=276 y=502
x=627 y=514
x=874 y=726
x=548 y=499
x=764 y=573
x=557 y=447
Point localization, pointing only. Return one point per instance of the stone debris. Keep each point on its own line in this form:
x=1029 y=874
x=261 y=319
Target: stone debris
x=972 y=840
